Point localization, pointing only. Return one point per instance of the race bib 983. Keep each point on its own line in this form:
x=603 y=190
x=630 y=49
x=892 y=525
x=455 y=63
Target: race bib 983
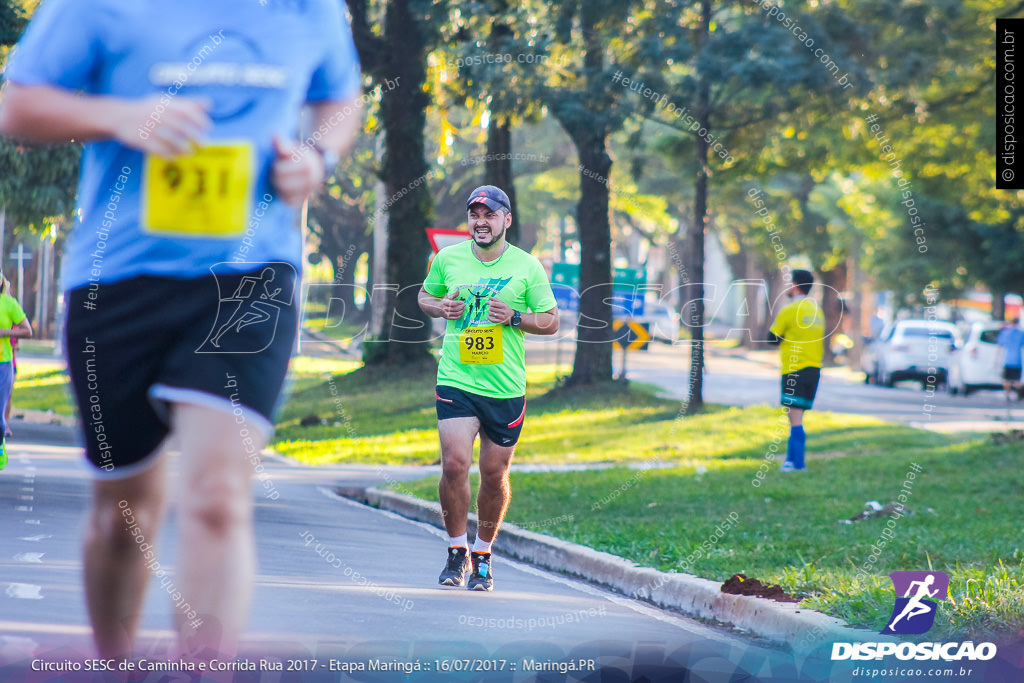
x=481 y=346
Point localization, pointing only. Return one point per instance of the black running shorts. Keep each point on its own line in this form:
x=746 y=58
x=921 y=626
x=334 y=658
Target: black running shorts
x=501 y=419
x=800 y=387
x=1011 y=373
x=134 y=346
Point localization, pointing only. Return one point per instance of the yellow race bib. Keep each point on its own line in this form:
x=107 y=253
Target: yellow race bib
x=481 y=345
x=204 y=194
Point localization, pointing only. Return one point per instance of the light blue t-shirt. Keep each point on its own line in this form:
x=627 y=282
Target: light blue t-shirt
x=257 y=62
x=1011 y=339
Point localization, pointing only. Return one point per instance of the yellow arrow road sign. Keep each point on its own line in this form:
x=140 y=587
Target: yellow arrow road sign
x=630 y=335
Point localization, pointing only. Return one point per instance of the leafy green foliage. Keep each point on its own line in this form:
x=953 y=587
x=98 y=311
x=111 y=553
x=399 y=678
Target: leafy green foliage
x=39 y=183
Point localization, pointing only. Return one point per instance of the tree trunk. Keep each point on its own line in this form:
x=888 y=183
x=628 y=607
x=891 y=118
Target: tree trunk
x=741 y=264
x=593 y=362
x=855 y=308
x=377 y=303
x=700 y=211
x=498 y=169
x=753 y=296
x=998 y=304
x=833 y=282
x=406 y=329
x=776 y=299
x=344 y=276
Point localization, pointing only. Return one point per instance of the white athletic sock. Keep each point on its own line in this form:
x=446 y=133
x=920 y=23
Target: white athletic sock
x=482 y=546
x=458 y=541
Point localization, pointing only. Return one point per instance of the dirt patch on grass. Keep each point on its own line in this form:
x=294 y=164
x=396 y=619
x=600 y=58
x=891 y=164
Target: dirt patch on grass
x=739 y=584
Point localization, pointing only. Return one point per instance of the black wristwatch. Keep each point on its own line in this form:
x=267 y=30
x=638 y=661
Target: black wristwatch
x=516 y=320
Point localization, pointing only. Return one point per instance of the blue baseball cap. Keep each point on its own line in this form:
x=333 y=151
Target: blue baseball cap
x=490 y=196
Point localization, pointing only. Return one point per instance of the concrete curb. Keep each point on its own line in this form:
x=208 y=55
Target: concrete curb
x=801 y=629
x=42 y=417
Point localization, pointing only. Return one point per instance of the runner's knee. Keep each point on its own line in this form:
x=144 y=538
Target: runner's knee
x=493 y=475
x=218 y=502
x=454 y=467
x=117 y=523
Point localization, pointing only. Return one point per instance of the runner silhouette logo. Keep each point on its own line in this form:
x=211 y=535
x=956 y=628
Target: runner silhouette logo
x=914 y=612
x=249 y=309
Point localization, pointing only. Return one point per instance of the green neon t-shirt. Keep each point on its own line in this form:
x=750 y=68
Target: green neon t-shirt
x=10 y=315
x=476 y=357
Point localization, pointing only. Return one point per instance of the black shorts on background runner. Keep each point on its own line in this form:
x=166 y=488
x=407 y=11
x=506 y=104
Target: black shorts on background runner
x=135 y=345
x=501 y=419
x=1011 y=373
x=800 y=387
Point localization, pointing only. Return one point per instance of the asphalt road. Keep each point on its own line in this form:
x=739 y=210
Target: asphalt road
x=342 y=585
x=752 y=379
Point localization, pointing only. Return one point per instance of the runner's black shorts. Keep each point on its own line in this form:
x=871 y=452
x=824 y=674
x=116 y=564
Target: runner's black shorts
x=134 y=346
x=1010 y=373
x=799 y=388
x=501 y=419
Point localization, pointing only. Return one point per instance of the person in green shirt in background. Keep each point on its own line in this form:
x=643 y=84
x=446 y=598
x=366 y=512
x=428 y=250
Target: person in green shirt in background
x=799 y=330
x=491 y=293
x=14 y=324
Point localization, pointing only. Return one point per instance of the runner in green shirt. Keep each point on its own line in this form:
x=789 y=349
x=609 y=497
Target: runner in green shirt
x=491 y=293
x=13 y=325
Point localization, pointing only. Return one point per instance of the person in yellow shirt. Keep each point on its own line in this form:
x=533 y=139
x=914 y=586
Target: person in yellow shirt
x=13 y=325
x=799 y=331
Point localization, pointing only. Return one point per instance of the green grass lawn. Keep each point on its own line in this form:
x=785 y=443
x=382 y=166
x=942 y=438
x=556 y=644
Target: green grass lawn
x=373 y=416
x=966 y=504
x=40 y=386
x=966 y=521
x=335 y=329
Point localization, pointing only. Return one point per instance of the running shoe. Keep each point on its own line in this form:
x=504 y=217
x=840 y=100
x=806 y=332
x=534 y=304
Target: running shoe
x=788 y=466
x=481 y=578
x=3 y=454
x=454 y=573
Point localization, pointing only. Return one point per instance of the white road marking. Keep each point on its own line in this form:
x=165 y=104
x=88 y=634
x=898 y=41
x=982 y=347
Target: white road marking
x=23 y=508
x=29 y=557
x=38 y=537
x=24 y=591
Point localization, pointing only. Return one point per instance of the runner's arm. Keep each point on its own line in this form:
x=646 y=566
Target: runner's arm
x=545 y=322
x=22 y=330
x=447 y=307
x=300 y=168
x=540 y=323
x=50 y=114
x=338 y=123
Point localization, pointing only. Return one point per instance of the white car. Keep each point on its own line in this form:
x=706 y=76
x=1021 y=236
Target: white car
x=977 y=364
x=919 y=350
